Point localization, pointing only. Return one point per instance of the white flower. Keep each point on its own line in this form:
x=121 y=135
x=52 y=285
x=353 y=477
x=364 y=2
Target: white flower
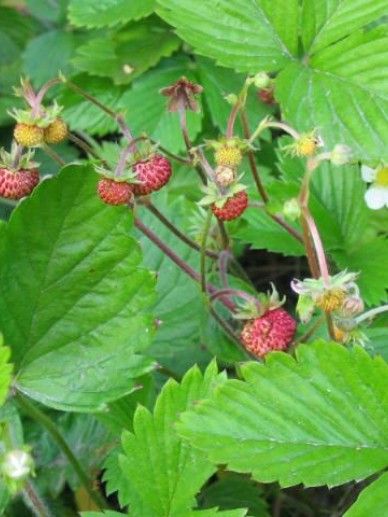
x=376 y=196
x=17 y=464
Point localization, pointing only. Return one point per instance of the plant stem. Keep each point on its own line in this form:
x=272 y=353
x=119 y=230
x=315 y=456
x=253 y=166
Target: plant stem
x=203 y=251
x=90 y=98
x=264 y=124
x=372 y=313
x=53 y=155
x=86 y=148
x=18 y=155
x=260 y=186
x=152 y=208
x=46 y=422
x=178 y=261
x=34 y=501
x=314 y=327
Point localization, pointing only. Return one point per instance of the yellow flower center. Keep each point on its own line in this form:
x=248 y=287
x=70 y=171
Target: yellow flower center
x=306 y=146
x=331 y=300
x=382 y=177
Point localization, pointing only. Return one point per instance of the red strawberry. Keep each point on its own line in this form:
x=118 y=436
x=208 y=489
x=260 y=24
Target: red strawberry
x=18 y=184
x=115 y=192
x=152 y=174
x=272 y=331
x=267 y=96
x=233 y=207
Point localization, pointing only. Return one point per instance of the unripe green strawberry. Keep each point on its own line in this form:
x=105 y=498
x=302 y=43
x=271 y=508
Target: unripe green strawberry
x=28 y=135
x=274 y=330
x=232 y=208
x=17 y=184
x=114 y=192
x=55 y=132
x=151 y=174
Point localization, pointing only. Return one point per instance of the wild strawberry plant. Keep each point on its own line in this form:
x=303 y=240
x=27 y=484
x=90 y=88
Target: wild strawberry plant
x=193 y=246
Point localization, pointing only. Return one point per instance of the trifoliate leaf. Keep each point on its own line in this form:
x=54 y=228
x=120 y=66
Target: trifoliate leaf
x=75 y=312
x=155 y=456
x=315 y=419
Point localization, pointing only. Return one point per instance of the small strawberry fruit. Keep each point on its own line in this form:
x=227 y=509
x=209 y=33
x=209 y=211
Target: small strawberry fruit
x=274 y=330
x=55 y=132
x=19 y=175
x=232 y=208
x=28 y=135
x=15 y=185
x=151 y=174
x=266 y=96
x=114 y=192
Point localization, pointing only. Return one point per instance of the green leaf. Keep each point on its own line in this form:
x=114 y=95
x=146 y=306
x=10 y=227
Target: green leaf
x=262 y=232
x=74 y=311
x=218 y=82
x=373 y=500
x=5 y=371
x=177 y=342
x=342 y=93
x=128 y=53
x=147 y=110
x=246 y=35
x=46 y=10
x=161 y=473
x=327 y=429
x=58 y=48
x=327 y=22
x=81 y=115
x=106 y=513
x=370 y=260
x=106 y=13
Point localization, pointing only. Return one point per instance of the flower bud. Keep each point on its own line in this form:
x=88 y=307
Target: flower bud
x=341 y=154
x=231 y=98
x=262 y=80
x=291 y=209
x=17 y=464
x=352 y=305
x=225 y=176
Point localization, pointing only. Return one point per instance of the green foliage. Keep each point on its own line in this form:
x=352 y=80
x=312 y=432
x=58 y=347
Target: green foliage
x=90 y=351
x=300 y=435
x=5 y=371
x=372 y=500
x=155 y=456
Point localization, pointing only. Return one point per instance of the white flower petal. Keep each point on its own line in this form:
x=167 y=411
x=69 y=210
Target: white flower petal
x=368 y=174
x=376 y=197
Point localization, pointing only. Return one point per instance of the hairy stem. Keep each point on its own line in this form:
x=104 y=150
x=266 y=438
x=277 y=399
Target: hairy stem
x=34 y=500
x=186 y=268
x=372 y=313
x=152 y=208
x=203 y=251
x=53 y=155
x=36 y=414
x=17 y=157
x=86 y=148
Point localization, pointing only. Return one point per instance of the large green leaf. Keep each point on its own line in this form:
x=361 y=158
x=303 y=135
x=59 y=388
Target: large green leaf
x=327 y=21
x=58 y=48
x=161 y=473
x=73 y=297
x=81 y=115
x=147 y=111
x=128 y=53
x=89 y=13
x=343 y=93
x=317 y=419
x=372 y=501
x=247 y=35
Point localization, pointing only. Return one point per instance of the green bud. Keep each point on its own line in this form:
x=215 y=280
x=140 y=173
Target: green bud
x=341 y=154
x=231 y=98
x=262 y=80
x=291 y=209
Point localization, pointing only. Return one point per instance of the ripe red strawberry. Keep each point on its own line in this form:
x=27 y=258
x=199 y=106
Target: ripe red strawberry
x=152 y=174
x=17 y=184
x=233 y=207
x=272 y=331
x=114 y=192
